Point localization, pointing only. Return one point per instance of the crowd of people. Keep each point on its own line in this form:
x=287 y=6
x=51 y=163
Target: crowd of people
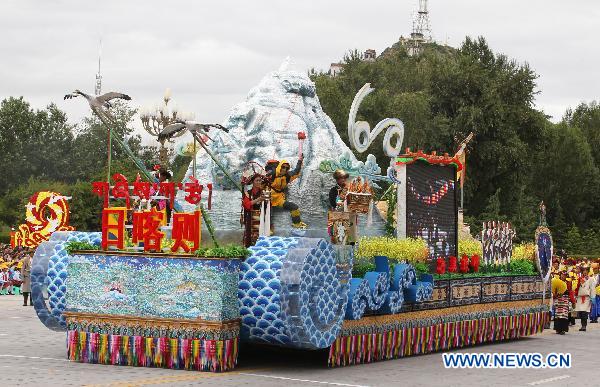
x=15 y=272
x=575 y=293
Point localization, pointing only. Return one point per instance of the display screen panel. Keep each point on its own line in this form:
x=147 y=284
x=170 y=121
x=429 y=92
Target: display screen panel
x=431 y=208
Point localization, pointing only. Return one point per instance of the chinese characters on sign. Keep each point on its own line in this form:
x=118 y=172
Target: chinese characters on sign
x=148 y=225
x=144 y=190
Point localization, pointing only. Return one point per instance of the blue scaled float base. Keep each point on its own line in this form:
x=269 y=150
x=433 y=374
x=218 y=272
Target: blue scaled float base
x=49 y=274
x=377 y=293
x=291 y=293
x=295 y=292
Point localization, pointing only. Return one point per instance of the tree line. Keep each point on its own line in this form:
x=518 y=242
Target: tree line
x=40 y=151
x=518 y=156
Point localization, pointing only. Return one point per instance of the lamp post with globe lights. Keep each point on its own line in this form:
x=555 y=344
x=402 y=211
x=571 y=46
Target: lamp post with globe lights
x=155 y=119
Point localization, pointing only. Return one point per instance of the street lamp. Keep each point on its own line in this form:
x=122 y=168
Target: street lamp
x=156 y=118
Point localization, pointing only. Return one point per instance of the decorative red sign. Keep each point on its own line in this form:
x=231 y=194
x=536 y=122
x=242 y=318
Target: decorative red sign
x=121 y=188
x=186 y=230
x=146 y=226
x=193 y=189
x=113 y=228
x=148 y=191
x=102 y=189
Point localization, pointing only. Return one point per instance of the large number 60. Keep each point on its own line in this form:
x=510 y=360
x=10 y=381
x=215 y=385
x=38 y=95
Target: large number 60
x=360 y=134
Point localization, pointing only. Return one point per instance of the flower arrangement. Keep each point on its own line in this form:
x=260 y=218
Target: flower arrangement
x=452 y=264
x=464 y=263
x=228 y=251
x=475 y=259
x=469 y=247
x=524 y=251
x=72 y=246
x=440 y=267
x=522 y=266
x=410 y=250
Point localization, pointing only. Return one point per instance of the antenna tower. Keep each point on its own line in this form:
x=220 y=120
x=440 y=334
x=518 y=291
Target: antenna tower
x=98 y=87
x=421 y=32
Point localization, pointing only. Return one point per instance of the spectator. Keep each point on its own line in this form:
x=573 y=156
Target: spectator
x=5 y=282
x=26 y=275
x=16 y=278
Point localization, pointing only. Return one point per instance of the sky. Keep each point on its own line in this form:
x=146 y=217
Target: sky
x=211 y=53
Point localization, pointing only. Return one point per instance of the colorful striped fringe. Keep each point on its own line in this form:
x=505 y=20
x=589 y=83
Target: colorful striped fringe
x=188 y=354
x=367 y=348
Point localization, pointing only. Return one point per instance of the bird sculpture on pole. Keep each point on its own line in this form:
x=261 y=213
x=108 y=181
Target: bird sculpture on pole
x=100 y=105
x=100 y=100
x=198 y=132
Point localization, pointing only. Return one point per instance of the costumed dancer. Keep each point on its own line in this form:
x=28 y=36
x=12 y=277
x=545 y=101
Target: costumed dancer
x=561 y=303
x=256 y=210
x=503 y=243
x=596 y=302
x=279 y=183
x=496 y=243
x=485 y=240
x=341 y=224
x=555 y=269
x=512 y=233
x=571 y=286
x=337 y=193
x=586 y=292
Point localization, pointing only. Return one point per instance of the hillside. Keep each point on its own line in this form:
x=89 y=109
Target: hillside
x=517 y=157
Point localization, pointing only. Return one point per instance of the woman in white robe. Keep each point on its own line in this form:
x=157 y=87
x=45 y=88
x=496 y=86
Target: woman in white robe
x=586 y=291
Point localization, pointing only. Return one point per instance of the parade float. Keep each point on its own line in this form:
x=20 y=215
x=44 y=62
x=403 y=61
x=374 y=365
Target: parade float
x=146 y=292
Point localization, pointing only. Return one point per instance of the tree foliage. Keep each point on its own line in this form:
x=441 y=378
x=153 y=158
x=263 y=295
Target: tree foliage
x=41 y=151
x=517 y=157
x=33 y=143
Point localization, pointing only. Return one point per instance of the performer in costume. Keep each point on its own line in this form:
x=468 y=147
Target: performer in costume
x=511 y=236
x=503 y=244
x=279 y=184
x=341 y=224
x=251 y=203
x=585 y=292
x=497 y=241
x=555 y=270
x=562 y=304
x=595 y=312
x=337 y=193
x=571 y=281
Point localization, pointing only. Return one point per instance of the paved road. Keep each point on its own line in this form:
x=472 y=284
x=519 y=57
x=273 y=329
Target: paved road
x=31 y=355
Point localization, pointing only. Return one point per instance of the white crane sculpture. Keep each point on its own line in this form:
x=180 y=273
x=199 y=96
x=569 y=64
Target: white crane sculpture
x=196 y=129
x=100 y=105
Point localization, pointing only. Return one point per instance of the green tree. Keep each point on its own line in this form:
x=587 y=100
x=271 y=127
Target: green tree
x=33 y=143
x=587 y=118
x=573 y=241
x=441 y=96
x=85 y=207
x=565 y=171
x=91 y=145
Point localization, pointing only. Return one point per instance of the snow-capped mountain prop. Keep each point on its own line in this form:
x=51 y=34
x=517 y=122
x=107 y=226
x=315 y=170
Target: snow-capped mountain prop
x=265 y=126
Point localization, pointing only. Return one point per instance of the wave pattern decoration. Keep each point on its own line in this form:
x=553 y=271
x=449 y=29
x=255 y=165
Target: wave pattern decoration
x=382 y=292
x=49 y=276
x=293 y=292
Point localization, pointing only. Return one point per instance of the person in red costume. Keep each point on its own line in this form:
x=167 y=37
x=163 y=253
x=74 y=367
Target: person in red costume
x=251 y=203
